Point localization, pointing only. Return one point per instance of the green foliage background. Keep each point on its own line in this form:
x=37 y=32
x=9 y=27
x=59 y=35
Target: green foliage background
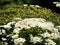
x=9 y=9
x=17 y=1
x=15 y=11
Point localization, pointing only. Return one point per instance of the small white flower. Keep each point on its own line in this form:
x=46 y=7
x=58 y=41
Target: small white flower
x=17 y=19
x=19 y=40
x=7 y=26
x=57 y=27
x=0 y=32
x=5 y=43
x=35 y=39
x=4 y=39
x=54 y=30
x=16 y=30
x=25 y=5
x=49 y=42
x=15 y=36
x=50 y=24
x=7 y=35
x=46 y=34
x=54 y=36
x=37 y=6
x=32 y=5
x=22 y=24
x=17 y=24
x=58 y=5
x=3 y=31
x=55 y=2
x=10 y=23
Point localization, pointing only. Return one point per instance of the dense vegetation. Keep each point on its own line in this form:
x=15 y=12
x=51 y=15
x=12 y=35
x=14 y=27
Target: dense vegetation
x=30 y=31
x=10 y=12
x=34 y=29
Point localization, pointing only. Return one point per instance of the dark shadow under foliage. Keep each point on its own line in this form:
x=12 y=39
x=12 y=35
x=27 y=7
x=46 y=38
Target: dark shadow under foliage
x=43 y=3
x=47 y=4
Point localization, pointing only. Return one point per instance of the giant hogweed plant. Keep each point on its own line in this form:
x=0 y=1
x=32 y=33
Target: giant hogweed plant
x=29 y=31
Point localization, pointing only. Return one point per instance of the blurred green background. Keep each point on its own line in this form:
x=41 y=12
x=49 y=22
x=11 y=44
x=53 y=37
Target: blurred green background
x=3 y=2
x=44 y=3
x=20 y=2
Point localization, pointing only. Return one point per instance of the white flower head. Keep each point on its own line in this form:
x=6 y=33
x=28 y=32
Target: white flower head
x=15 y=36
x=49 y=42
x=57 y=27
x=17 y=19
x=58 y=5
x=54 y=30
x=19 y=40
x=3 y=31
x=37 y=6
x=36 y=39
x=50 y=24
x=22 y=24
x=25 y=4
x=10 y=23
x=54 y=36
x=32 y=5
x=5 y=43
x=55 y=2
x=4 y=39
x=0 y=32
x=16 y=30
x=46 y=34
x=7 y=26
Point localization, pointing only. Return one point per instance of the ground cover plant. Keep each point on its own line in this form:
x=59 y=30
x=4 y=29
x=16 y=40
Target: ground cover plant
x=29 y=25
x=29 y=31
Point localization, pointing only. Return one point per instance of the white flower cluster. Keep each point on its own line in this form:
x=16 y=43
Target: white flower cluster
x=8 y=25
x=19 y=41
x=51 y=36
x=35 y=39
x=31 y=5
x=57 y=27
x=27 y=23
x=49 y=42
x=15 y=36
x=33 y=22
x=2 y=31
x=57 y=4
x=4 y=39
